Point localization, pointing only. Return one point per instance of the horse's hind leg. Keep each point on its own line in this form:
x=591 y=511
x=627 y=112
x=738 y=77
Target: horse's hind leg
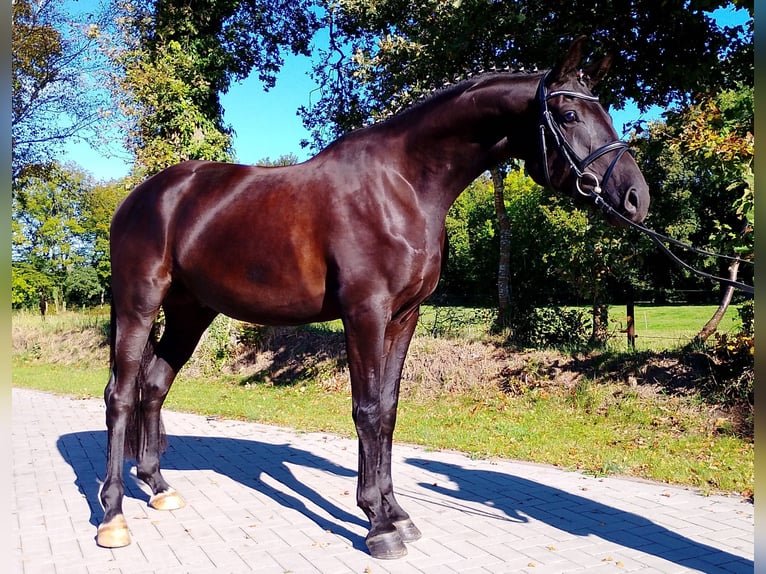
x=184 y=325
x=130 y=333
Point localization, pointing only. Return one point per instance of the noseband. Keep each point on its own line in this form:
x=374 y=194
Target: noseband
x=578 y=164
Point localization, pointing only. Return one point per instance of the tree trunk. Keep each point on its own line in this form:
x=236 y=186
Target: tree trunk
x=504 y=261
x=712 y=325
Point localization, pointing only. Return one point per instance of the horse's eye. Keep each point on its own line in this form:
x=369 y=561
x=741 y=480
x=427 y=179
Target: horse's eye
x=570 y=117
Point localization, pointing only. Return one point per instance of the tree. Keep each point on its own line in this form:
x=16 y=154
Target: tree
x=54 y=63
x=177 y=56
x=701 y=156
x=82 y=287
x=281 y=161
x=384 y=54
x=718 y=133
x=98 y=207
x=28 y=285
x=471 y=268
x=47 y=215
x=503 y=267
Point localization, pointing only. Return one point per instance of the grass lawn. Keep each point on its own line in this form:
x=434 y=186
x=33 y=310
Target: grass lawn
x=605 y=427
x=669 y=327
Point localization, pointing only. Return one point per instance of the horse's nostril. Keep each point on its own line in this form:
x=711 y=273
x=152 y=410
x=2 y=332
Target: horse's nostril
x=631 y=201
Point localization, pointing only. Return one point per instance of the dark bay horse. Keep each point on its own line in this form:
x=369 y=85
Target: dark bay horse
x=356 y=233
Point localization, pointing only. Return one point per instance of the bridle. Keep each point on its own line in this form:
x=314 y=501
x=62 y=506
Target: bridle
x=549 y=126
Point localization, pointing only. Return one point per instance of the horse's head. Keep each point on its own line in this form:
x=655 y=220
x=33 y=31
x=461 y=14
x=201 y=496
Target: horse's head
x=580 y=152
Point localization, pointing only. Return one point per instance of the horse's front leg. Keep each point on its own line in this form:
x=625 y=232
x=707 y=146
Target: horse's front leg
x=376 y=350
x=397 y=343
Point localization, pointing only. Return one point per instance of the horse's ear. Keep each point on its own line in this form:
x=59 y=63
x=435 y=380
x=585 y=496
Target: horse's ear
x=570 y=63
x=596 y=71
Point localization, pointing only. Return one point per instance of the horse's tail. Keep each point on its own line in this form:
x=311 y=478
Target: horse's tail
x=135 y=428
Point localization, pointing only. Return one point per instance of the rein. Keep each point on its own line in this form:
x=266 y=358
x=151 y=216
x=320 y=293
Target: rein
x=660 y=241
x=549 y=126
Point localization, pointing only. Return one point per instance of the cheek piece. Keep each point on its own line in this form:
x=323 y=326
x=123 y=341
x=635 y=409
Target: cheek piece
x=586 y=182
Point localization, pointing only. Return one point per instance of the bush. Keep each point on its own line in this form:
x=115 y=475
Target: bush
x=555 y=327
x=26 y=285
x=747 y=316
x=732 y=364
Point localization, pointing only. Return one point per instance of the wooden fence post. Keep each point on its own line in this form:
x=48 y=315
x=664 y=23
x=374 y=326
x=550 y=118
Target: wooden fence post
x=631 y=326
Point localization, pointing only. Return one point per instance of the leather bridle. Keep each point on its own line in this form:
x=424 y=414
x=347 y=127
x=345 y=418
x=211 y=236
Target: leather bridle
x=549 y=126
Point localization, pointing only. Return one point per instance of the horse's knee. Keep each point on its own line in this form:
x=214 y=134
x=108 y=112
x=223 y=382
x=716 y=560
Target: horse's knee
x=369 y=500
x=367 y=418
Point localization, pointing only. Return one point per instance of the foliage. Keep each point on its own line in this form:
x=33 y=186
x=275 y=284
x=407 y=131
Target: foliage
x=167 y=125
x=47 y=212
x=282 y=161
x=717 y=135
x=746 y=314
x=471 y=271
x=552 y=327
x=732 y=363
x=699 y=161
x=384 y=54
x=82 y=287
x=60 y=242
x=27 y=283
x=53 y=75
x=98 y=208
x=559 y=253
x=176 y=57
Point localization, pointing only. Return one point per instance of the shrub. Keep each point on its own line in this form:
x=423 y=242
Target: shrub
x=732 y=365
x=545 y=327
x=82 y=287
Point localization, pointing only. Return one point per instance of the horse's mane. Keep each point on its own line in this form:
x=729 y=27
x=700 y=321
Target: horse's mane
x=447 y=90
x=453 y=88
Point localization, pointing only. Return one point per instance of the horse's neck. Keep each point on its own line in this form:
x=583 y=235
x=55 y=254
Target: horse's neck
x=458 y=138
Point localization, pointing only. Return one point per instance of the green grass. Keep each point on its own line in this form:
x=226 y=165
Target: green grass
x=670 y=327
x=600 y=429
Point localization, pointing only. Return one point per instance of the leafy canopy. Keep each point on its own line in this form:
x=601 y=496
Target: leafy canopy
x=178 y=56
x=383 y=54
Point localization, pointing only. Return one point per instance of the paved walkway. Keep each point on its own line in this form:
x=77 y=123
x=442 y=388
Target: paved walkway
x=270 y=500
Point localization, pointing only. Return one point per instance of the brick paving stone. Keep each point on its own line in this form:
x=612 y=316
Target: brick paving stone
x=267 y=499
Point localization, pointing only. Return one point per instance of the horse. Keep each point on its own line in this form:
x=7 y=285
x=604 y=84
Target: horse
x=357 y=233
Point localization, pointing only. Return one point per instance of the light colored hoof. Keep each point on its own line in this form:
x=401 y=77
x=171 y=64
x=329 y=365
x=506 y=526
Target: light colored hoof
x=113 y=534
x=168 y=500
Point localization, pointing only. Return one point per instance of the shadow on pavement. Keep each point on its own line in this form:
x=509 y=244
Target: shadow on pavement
x=520 y=500
x=244 y=461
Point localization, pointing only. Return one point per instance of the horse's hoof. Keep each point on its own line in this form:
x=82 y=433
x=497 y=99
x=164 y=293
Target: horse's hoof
x=386 y=546
x=113 y=534
x=407 y=530
x=167 y=500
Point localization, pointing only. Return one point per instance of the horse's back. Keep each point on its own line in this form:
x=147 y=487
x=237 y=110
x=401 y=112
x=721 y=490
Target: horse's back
x=278 y=245
x=241 y=239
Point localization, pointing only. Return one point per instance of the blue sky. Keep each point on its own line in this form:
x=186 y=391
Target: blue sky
x=266 y=123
